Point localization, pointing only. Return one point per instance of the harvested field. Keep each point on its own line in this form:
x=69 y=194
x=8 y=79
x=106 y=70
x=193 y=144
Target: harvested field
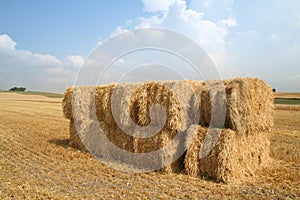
x=37 y=162
x=287 y=107
x=288 y=95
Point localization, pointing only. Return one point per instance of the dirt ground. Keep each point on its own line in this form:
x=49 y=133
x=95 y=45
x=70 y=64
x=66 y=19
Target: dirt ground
x=36 y=162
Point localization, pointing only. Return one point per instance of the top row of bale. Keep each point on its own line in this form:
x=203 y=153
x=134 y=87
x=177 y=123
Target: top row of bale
x=244 y=105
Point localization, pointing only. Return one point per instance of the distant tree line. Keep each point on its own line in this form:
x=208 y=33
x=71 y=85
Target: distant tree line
x=18 y=89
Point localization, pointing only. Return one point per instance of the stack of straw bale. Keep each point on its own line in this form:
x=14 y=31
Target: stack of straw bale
x=132 y=112
x=241 y=146
x=220 y=145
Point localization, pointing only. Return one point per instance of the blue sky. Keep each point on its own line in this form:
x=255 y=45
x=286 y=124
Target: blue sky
x=43 y=43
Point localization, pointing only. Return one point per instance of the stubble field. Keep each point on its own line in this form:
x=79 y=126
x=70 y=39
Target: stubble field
x=37 y=162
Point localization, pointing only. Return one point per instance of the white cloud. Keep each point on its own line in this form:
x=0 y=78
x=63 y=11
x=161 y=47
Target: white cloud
x=75 y=61
x=26 y=58
x=149 y=22
x=157 y=5
x=25 y=67
x=59 y=71
x=228 y=23
x=6 y=42
x=178 y=17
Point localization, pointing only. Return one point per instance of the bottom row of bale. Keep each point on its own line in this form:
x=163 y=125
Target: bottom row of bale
x=224 y=153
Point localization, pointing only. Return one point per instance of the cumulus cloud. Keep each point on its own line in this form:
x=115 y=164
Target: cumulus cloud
x=75 y=61
x=24 y=57
x=175 y=15
x=6 y=42
x=60 y=71
x=24 y=67
x=157 y=5
x=251 y=49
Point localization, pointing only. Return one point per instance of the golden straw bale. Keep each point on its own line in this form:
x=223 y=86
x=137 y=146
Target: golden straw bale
x=232 y=157
x=140 y=98
x=148 y=95
x=67 y=103
x=75 y=140
x=195 y=136
x=249 y=105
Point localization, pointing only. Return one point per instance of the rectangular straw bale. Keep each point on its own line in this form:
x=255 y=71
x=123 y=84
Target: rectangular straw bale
x=67 y=103
x=145 y=146
x=168 y=94
x=103 y=106
x=145 y=96
x=245 y=110
x=232 y=158
x=249 y=105
x=156 y=142
x=142 y=98
x=85 y=124
x=179 y=117
x=166 y=158
x=195 y=136
x=106 y=118
x=74 y=137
